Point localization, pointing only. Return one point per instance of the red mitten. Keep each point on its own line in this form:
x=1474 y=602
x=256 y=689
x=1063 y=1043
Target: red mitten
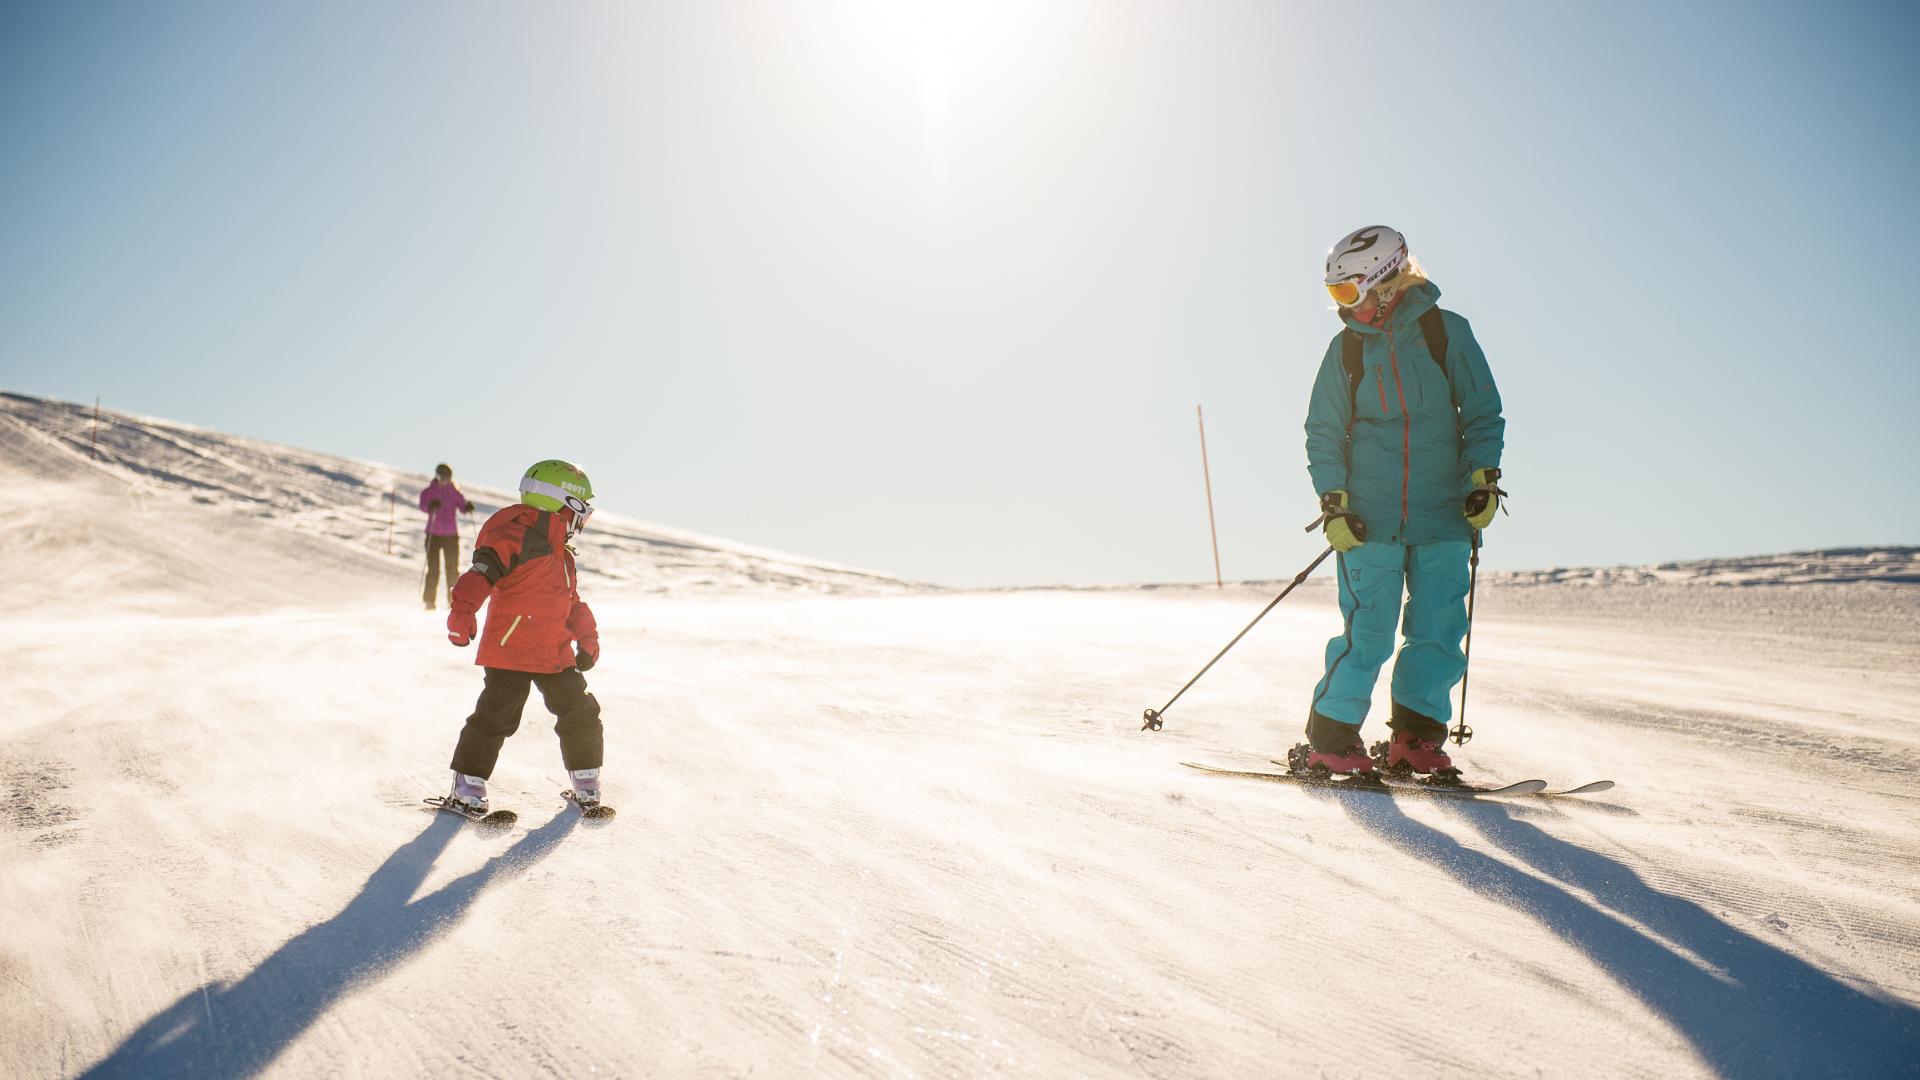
x=581 y=624
x=462 y=628
x=468 y=594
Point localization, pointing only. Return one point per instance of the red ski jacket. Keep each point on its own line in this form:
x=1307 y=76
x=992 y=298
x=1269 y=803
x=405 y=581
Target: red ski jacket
x=522 y=561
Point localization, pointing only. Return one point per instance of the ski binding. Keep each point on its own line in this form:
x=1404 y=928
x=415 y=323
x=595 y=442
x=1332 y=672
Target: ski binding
x=498 y=819
x=596 y=812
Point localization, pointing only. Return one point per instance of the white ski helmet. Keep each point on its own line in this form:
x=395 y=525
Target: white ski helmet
x=1362 y=259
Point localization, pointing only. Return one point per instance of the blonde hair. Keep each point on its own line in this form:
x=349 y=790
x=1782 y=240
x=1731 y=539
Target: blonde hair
x=1414 y=273
x=1410 y=275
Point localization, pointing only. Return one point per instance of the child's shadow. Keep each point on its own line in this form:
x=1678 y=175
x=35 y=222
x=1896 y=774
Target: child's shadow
x=237 y=1029
x=1747 y=1007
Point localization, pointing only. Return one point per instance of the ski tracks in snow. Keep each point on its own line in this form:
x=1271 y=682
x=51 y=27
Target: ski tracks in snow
x=882 y=837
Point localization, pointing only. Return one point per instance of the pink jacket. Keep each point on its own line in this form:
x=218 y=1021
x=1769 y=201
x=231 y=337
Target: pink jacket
x=443 y=503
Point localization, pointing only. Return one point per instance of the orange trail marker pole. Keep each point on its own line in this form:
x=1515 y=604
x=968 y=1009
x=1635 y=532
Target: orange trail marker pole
x=1207 y=475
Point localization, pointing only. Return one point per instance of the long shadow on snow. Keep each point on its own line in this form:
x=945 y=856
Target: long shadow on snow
x=1761 y=1011
x=237 y=1029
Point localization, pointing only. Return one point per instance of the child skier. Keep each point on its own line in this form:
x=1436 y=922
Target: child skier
x=1404 y=435
x=523 y=561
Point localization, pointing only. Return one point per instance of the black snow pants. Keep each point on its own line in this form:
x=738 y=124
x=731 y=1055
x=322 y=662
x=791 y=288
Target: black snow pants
x=497 y=715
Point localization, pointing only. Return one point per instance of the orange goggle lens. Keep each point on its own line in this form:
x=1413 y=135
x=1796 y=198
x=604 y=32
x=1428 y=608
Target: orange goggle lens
x=1344 y=293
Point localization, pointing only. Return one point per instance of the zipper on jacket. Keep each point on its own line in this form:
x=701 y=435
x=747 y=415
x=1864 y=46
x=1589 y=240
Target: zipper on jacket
x=1406 y=429
x=511 y=629
x=1380 y=382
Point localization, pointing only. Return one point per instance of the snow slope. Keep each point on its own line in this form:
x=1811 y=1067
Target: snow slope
x=354 y=517
x=910 y=832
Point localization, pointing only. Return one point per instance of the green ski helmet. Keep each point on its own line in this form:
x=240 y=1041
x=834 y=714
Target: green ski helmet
x=557 y=485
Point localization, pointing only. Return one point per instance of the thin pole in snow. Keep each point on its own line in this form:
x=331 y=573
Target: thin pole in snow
x=93 y=436
x=1207 y=475
x=391 y=499
x=1151 y=719
x=1461 y=732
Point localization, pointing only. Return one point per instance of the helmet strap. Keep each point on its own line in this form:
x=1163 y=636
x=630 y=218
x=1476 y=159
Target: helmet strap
x=1390 y=289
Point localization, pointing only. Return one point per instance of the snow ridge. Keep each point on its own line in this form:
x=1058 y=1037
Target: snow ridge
x=1830 y=566
x=366 y=510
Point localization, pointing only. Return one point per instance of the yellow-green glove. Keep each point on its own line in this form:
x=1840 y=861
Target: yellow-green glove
x=1344 y=531
x=1484 y=499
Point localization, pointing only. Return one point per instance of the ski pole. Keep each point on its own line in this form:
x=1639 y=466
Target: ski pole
x=1461 y=733
x=1151 y=718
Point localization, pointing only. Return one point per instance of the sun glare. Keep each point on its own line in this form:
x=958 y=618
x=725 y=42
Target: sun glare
x=947 y=50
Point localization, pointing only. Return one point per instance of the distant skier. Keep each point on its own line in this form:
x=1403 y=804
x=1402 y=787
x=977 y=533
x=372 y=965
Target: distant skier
x=539 y=633
x=1404 y=435
x=442 y=503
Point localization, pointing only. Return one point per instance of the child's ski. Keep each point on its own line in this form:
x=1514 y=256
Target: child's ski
x=596 y=812
x=499 y=819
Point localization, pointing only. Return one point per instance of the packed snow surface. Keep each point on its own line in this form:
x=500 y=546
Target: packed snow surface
x=874 y=829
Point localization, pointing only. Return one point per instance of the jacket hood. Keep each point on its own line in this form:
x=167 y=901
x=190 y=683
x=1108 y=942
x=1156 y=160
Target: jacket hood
x=1415 y=302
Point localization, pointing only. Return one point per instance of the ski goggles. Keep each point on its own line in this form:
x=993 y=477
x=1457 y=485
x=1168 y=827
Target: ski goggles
x=1346 y=293
x=582 y=509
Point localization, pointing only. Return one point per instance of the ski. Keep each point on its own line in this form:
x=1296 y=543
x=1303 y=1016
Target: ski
x=498 y=819
x=1399 y=779
x=1458 y=791
x=597 y=812
x=1583 y=789
x=1404 y=776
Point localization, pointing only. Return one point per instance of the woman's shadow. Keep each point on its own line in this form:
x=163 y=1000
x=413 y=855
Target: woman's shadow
x=1746 y=1006
x=237 y=1029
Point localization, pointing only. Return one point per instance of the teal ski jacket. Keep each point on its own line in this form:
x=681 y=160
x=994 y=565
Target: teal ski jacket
x=1419 y=428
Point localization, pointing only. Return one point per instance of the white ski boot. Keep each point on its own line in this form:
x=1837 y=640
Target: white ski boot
x=469 y=794
x=586 y=788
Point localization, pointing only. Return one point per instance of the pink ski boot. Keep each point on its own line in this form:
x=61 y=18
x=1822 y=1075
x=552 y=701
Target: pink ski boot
x=1409 y=753
x=1332 y=746
x=1352 y=761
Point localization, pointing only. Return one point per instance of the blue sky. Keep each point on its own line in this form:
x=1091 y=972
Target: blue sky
x=934 y=288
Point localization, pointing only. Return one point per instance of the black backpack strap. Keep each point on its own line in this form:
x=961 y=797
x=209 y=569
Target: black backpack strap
x=1355 y=368
x=1433 y=327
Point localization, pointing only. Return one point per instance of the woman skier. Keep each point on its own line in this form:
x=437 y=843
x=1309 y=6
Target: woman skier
x=441 y=501
x=522 y=561
x=1404 y=435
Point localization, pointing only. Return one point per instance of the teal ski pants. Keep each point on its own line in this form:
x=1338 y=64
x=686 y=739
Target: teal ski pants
x=1373 y=577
